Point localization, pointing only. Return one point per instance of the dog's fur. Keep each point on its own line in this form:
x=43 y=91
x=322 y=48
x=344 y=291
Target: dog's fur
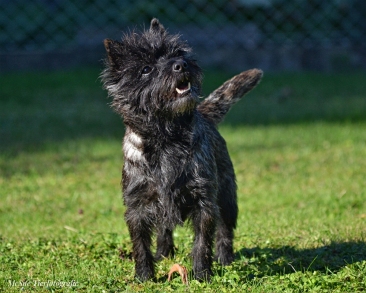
x=176 y=164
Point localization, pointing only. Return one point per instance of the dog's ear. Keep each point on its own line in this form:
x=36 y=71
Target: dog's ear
x=156 y=27
x=112 y=48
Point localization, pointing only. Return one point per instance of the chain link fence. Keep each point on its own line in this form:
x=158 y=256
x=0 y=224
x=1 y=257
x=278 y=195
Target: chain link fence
x=271 y=34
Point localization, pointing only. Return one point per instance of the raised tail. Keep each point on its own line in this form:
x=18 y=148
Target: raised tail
x=219 y=102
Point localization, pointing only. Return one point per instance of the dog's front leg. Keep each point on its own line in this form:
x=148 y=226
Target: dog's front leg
x=204 y=221
x=140 y=233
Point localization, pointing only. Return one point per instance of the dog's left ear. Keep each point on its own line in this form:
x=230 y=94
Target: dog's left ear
x=112 y=51
x=156 y=27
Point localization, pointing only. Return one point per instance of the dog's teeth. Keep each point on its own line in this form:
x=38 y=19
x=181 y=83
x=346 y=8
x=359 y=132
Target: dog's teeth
x=184 y=90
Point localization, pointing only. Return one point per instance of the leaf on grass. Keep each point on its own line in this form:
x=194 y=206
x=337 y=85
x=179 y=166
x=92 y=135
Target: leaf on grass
x=182 y=272
x=70 y=228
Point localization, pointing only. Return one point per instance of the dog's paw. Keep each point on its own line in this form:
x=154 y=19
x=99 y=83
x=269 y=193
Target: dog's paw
x=203 y=275
x=224 y=259
x=144 y=273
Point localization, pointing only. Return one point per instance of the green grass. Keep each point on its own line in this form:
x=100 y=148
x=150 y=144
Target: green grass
x=298 y=143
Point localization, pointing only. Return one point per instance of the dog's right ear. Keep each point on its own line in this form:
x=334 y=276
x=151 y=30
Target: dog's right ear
x=156 y=27
x=112 y=51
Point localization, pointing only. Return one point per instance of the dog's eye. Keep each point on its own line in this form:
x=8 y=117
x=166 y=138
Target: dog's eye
x=146 y=70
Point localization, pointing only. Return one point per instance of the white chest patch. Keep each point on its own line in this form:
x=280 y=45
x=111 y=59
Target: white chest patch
x=135 y=139
x=133 y=147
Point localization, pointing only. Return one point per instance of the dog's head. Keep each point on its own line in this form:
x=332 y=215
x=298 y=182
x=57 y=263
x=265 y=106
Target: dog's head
x=151 y=73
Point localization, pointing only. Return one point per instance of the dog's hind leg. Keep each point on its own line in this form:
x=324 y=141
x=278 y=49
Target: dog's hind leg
x=227 y=203
x=165 y=244
x=225 y=233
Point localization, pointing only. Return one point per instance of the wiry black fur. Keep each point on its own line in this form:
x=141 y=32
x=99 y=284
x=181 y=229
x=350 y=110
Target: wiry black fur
x=177 y=166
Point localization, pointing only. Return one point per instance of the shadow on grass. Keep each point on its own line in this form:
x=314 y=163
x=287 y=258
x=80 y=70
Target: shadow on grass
x=54 y=107
x=31 y=132
x=287 y=260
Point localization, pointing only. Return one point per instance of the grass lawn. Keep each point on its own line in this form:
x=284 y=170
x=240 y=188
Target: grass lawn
x=298 y=144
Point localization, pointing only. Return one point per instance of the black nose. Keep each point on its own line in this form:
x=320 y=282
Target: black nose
x=180 y=66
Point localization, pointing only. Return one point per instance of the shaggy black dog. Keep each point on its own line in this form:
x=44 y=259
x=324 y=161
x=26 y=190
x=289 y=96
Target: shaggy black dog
x=176 y=164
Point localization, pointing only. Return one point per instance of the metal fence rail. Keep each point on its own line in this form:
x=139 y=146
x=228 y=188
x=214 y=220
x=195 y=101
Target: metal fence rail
x=265 y=31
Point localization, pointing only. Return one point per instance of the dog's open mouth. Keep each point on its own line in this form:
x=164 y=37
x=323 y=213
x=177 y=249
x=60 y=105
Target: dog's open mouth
x=183 y=87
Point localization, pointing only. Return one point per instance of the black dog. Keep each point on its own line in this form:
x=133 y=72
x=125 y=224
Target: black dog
x=176 y=164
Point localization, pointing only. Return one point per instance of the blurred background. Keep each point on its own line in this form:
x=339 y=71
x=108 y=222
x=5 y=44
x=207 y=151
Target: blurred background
x=313 y=53
x=274 y=35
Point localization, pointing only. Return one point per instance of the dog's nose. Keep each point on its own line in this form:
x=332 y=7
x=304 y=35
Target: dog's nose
x=180 y=66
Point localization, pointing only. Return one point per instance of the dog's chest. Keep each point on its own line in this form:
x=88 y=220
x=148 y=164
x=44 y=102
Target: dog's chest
x=156 y=152
x=133 y=147
x=166 y=173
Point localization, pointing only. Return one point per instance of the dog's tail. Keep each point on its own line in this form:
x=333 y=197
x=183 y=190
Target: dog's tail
x=219 y=102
